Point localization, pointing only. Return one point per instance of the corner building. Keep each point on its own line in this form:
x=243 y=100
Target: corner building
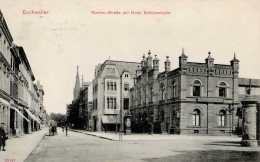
x=195 y=98
x=111 y=94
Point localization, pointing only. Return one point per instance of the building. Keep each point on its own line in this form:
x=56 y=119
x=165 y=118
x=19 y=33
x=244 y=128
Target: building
x=18 y=94
x=195 y=98
x=77 y=86
x=77 y=111
x=111 y=95
x=83 y=106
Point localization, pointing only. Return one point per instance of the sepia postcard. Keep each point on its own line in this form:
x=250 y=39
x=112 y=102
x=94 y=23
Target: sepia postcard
x=129 y=80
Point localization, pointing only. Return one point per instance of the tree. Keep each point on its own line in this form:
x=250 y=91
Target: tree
x=73 y=112
x=59 y=118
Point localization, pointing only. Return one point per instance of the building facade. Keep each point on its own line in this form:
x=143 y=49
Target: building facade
x=18 y=94
x=111 y=94
x=193 y=98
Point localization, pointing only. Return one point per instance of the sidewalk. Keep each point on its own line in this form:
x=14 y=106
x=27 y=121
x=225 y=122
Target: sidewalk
x=157 y=137
x=17 y=149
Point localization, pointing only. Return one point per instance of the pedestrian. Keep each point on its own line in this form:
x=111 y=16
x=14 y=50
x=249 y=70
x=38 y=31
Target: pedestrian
x=62 y=128
x=66 y=128
x=2 y=137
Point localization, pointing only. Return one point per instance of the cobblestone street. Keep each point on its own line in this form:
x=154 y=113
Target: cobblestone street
x=82 y=147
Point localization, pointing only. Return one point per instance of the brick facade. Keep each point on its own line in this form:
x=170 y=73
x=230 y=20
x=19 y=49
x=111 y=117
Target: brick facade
x=193 y=98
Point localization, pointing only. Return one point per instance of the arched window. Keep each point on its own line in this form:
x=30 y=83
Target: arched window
x=174 y=89
x=163 y=88
x=196 y=88
x=196 y=117
x=222 y=89
x=151 y=95
x=222 y=118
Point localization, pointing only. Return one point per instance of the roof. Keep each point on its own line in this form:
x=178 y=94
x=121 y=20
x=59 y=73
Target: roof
x=24 y=58
x=248 y=81
x=86 y=83
x=122 y=66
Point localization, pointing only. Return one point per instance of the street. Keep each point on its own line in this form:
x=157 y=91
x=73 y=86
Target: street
x=82 y=147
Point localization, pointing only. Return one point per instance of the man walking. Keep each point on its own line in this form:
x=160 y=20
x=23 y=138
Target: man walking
x=66 y=128
x=2 y=137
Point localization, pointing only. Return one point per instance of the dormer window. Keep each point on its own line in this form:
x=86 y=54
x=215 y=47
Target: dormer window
x=126 y=75
x=111 y=70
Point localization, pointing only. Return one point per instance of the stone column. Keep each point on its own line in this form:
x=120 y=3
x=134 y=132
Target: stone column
x=249 y=122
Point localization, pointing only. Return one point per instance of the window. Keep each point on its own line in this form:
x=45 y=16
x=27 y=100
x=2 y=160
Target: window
x=126 y=87
x=115 y=86
x=126 y=103
x=222 y=118
x=163 y=88
x=196 y=117
x=111 y=70
x=108 y=86
x=151 y=95
x=114 y=104
x=111 y=85
x=222 y=89
x=108 y=103
x=126 y=75
x=111 y=102
x=174 y=90
x=196 y=88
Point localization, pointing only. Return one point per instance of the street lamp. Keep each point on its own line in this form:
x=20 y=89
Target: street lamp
x=152 y=124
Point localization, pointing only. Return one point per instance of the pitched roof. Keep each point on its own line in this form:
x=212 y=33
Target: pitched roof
x=122 y=66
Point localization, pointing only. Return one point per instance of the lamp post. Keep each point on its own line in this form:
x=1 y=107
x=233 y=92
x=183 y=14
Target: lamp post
x=152 y=124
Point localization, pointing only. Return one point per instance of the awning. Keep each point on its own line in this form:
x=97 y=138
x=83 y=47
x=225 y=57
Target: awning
x=39 y=119
x=19 y=113
x=6 y=103
x=32 y=116
x=110 y=119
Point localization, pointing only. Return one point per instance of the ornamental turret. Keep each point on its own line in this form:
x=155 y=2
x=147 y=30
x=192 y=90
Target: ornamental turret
x=167 y=64
x=149 y=60
x=182 y=59
x=235 y=64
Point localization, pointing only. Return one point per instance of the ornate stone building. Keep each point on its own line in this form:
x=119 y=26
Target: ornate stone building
x=193 y=98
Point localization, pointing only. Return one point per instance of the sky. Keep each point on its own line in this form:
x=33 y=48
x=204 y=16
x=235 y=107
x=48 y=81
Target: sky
x=70 y=36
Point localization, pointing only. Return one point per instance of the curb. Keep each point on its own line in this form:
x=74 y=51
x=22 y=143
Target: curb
x=94 y=135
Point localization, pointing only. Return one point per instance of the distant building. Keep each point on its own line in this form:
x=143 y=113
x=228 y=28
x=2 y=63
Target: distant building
x=77 y=85
x=111 y=86
x=194 y=98
x=83 y=106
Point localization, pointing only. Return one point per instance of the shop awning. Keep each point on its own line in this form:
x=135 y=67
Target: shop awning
x=110 y=119
x=19 y=113
x=39 y=119
x=32 y=116
x=6 y=103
